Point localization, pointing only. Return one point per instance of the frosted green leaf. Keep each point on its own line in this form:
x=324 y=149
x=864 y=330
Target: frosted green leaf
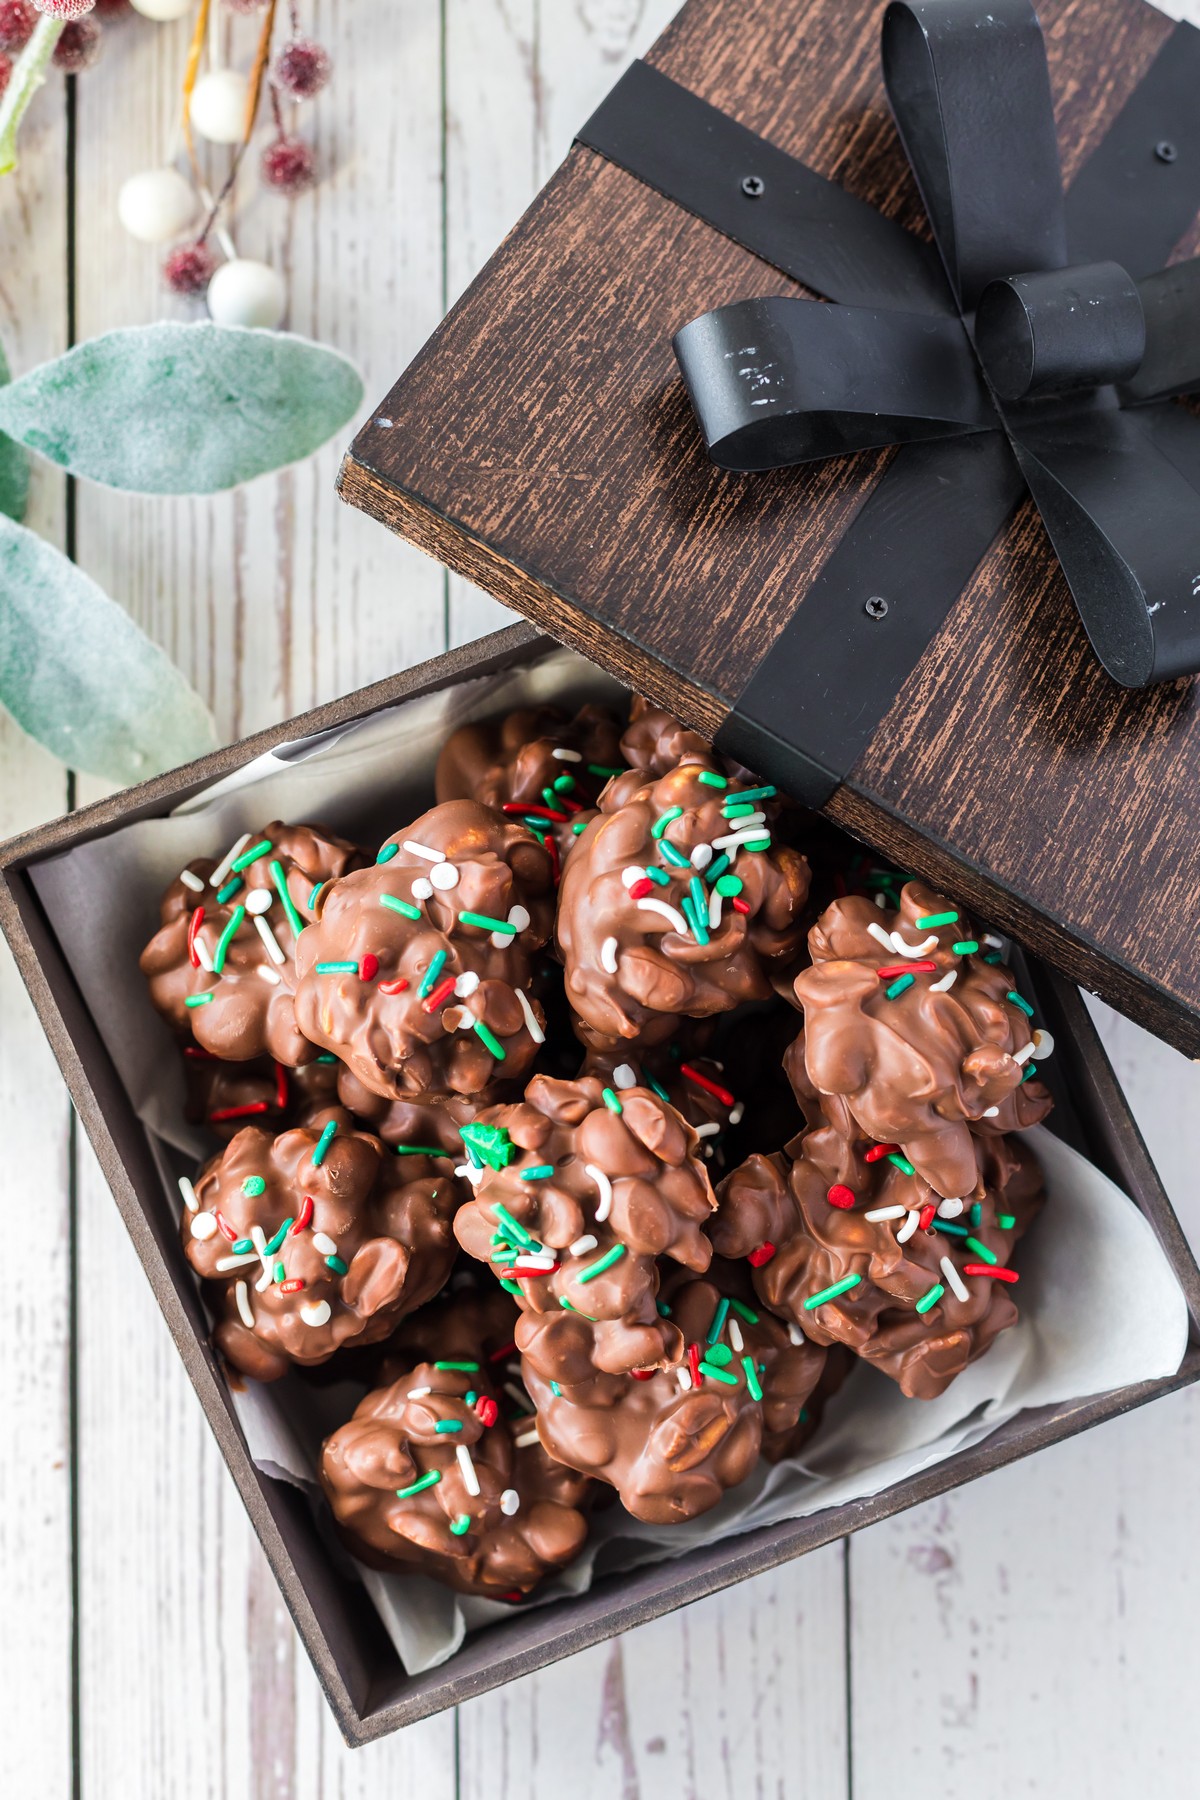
x=14 y=466
x=81 y=677
x=182 y=409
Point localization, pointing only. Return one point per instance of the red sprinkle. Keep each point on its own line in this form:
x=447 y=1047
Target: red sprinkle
x=643 y=1374
x=535 y=812
x=201 y=1055
x=878 y=1151
x=393 y=987
x=694 y=1365
x=194 y=924
x=575 y=806
x=739 y=905
x=225 y=1228
x=909 y=968
x=504 y=1350
x=840 y=1195
x=303 y=1217
x=281 y=1086
x=710 y=1087
x=986 y=1269
x=555 y=860
x=640 y=888
x=291 y=1287
x=368 y=968
x=439 y=996
x=486 y=1409
x=553 y=1269
x=758 y=1258
x=236 y=1112
x=514 y=1594
x=927 y=1216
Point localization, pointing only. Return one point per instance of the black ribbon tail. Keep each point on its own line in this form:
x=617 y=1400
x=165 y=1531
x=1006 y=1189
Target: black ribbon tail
x=1171 y=362
x=1125 y=524
x=780 y=380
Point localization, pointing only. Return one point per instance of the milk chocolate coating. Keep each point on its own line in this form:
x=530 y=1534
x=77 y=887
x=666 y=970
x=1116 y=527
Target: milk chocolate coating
x=632 y=1182
x=695 y=1085
x=774 y=1204
x=225 y=1097
x=422 y=1040
x=669 y=1448
x=252 y=1009
x=376 y=1242
x=526 y=1519
x=535 y=757
x=436 y=1119
x=631 y=969
x=930 y=1066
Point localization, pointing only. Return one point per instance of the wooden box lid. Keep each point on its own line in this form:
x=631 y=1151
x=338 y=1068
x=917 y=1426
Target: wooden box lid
x=542 y=444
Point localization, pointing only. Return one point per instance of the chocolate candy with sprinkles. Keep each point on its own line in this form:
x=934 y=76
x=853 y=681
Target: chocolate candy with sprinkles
x=225 y=1097
x=916 y=1034
x=431 y=1119
x=312 y=1239
x=419 y=970
x=222 y=966
x=678 y=901
x=866 y=1254
x=440 y=1473
x=654 y=742
x=694 y=1084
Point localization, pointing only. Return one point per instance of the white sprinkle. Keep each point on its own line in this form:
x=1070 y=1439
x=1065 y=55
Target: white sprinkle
x=631 y=874
x=993 y=942
x=419 y=1393
x=225 y=1263
x=796 y=1335
x=673 y=918
x=268 y=974
x=881 y=903
x=323 y=1244
x=518 y=918
x=258 y=900
x=444 y=876
x=526 y=1438
x=531 y=1262
x=227 y=861
x=242 y=1292
x=738 y=1113
x=423 y=851
x=509 y=1502
x=606 y=1194
x=203 y=1225
x=189 y=1194
x=191 y=881
x=945 y=984
x=624 y=1076
x=258 y=1238
x=710 y=1129
x=562 y=755
x=735 y=1335
x=715 y=903
x=608 y=955
x=583 y=1244
x=880 y=935
x=879 y=1214
x=531 y=1025
x=750 y=823
x=316 y=1315
x=909 y=1226
x=991 y=1112
x=470 y=1478
x=274 y=947
x=684 y=1378
x=1024 y=1053
x=468 y=1172
x=1043 y=1044
x=517 y=1393
x=949 y=1209
x=904 y=949
x=203 y=954
x=954 y=1280
x=702 y=855
x=737 y=839
x=466 y=984
x=422 y=889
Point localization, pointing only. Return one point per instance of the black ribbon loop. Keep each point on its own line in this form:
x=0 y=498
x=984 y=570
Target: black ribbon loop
x=1060 y=330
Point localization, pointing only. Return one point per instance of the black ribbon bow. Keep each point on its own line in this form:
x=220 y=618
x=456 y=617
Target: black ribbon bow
x=1067 y=361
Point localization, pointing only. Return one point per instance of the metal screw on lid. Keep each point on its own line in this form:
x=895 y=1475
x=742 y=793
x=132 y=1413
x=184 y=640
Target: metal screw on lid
x=753 y=186
x=876 y=607
x=1165 y=151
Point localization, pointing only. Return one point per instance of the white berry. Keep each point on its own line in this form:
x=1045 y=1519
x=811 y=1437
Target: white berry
x=156 y=206
x=219 y=106
x=162 y=10
x=243 y=292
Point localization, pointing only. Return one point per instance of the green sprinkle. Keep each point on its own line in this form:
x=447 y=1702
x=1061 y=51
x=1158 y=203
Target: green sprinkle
x=599 y=769
x=981 y=1249
x=281 y=888
x=563 y=784
x=539 y=827
x=699 y=898
x=805 y=1415
x=696 y=923
x=448 y=1425
x=510 y=1287
x=729 y=885
x=418 y=1487
x=1030 y=1069
x=715 y=1374
x=949 y=1229
x=744 y=1312
x=420 y=1150
x=717 y=1325
x=676 y=858
x=272 y=1247
x=556 y=1390
x=540 y=1172
x=720 y=1354
x=488 y=1039
x=664 y=1311
x=486 y=924
x=504 y=1257
x=756 y=843
x=898 y=986
x=467 y=1368
x=709 y=779
x=470 y=1396
x=966 y=947
x=548 y=798
x=605 y=1262
x=937 y=1290
x=580 y=825
x=491 y=1143
x=752 y=1381
x=1018 y=1001
x=513 y=1227
x=1006 y=1221
x=387 y=853
x=337 y=1265
x=327 y=1056
x=401 y=906
x=323 y=1143
x=931 y=921
x=429 y=981
x=976 y=1216
x=831 y=1293
x=312 y=895
x=657 y=1088
x=664 y=819
x=610 y=1100
x=337 y=968
x=563 y=1301
x=280 y=1272
x=197 y=1000
x=462 y=1524
x=243 y=1246
x=734 y=810
x=226 y=937
x=229 y=890
x=659 y=875
x=758 y=793
x=251 y=856
x=902 y=1163
x=993 y=957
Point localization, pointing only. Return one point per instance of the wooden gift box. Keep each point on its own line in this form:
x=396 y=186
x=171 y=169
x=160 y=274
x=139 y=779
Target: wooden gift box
x=543 y=445
x=367 y=1688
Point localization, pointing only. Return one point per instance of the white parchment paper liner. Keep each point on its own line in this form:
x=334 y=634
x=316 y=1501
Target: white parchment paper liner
x=1100 y=1307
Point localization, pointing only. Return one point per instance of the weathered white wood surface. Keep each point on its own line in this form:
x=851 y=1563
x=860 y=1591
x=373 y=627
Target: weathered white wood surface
x=1030 y=1633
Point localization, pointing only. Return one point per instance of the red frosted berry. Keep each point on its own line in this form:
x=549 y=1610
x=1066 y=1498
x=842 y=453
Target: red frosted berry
x=288 y=164
x=301 y=69
x=189 y=269
x=17 y=20
x=65 y=9
x=79 y=46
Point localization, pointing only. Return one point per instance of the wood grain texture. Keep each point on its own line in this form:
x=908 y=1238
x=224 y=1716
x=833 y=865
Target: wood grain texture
x=548 y=452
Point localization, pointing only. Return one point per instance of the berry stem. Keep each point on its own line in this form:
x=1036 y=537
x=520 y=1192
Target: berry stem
x=28 y=74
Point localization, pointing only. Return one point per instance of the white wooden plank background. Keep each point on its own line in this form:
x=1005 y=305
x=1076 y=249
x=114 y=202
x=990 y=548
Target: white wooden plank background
x=1031 y=1633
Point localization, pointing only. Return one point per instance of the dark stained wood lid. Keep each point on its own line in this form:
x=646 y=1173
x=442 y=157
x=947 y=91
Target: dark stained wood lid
x=542 y=445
